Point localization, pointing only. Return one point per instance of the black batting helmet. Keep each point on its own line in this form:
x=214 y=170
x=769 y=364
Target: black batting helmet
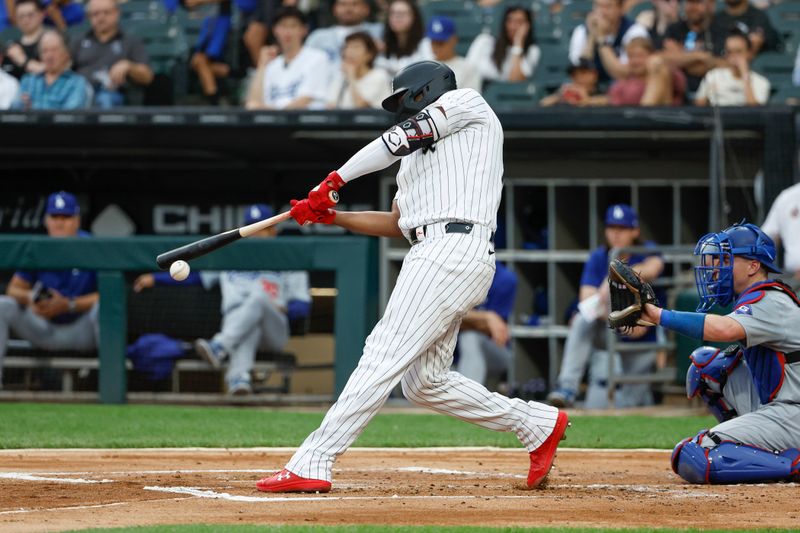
x=417 y=86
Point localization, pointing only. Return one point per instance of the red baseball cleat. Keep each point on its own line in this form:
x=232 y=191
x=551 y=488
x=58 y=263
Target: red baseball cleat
x=543 y=456
x=285 y=481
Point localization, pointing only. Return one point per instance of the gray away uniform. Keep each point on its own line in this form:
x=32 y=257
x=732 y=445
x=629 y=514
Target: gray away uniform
x=768 y=404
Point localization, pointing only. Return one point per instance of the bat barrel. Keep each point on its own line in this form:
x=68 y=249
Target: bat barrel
x=196 y=249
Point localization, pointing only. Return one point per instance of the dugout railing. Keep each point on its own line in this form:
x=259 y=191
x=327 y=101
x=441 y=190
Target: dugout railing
x=352 y=259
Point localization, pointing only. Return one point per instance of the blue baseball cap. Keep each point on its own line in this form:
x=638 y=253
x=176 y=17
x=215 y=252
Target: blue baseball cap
x=622 y=215
x=62 y=203
x=257 y=213
x=440 y=28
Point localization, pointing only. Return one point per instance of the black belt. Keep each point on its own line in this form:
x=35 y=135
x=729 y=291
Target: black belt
x=450 y=227
x=793 y=357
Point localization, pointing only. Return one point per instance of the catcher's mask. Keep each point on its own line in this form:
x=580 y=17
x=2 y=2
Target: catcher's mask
x=417 y=86
x=714 y=273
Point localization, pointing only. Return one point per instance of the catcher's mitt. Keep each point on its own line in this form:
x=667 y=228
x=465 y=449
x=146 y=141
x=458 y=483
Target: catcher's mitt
x=628 y=294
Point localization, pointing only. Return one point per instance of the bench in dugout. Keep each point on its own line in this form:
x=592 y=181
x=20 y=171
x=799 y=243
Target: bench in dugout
x=183 y=313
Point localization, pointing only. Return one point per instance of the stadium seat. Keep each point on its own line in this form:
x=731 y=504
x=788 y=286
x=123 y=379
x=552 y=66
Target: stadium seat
x=468 y=28
x=571 y=15
x=784 y=93
x=552 y=68
x=785 y=16
x=142 y=10
x=450 y=8
x=776 y=66
x=9 y=34
x=509 y=96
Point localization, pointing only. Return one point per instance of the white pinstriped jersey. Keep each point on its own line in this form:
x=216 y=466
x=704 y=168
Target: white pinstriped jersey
x=461 y=178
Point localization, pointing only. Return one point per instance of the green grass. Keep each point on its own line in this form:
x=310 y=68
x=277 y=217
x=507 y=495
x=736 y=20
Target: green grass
x=143 y=426
x=390 y=529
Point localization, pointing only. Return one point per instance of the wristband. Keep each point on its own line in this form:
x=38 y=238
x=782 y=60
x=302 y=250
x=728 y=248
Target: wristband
x=515 y=50
x=25 y=64
x=685 y=323
x=71 y=305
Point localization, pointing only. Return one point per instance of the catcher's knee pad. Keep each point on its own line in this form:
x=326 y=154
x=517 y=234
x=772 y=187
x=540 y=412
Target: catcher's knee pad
x=729 y=462
x=708 y=374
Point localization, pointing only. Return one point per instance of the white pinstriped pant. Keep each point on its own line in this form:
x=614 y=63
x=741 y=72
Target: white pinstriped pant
x=442 y=278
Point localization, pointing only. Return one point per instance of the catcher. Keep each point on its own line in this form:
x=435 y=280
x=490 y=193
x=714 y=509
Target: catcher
x=753 y=386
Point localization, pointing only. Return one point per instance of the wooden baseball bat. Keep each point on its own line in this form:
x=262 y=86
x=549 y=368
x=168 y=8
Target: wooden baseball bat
x=202 y=247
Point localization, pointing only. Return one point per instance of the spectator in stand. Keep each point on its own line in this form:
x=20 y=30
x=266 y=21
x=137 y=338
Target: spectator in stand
x=513 y=55
x=748 y=19
x=581 y=90
x=256 y=309
x=658 y=19
x=587 y=330
x=63 y=13
x=783 y=225
x=57 y=87
x=297 y=78
x=22 y=56
x=650 y=81
x=358 y=85
x=688 y=46
x=351 y=16
x=9 y=87
x=734 y=84
x=403 y=37
x=483 y=340
x=257 y=33
x=603 y=38
x=53 y=310
x=208 y=55
x=109 y=58
x=443 y=38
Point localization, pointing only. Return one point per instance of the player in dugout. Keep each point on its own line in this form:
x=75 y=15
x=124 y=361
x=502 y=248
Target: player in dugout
x=256 y=309
x=53 y=310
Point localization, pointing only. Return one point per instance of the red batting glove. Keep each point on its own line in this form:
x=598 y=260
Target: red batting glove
x=326 y=194
x=303 y=214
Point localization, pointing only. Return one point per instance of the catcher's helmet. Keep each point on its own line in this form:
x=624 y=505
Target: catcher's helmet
x=714 y=274
x=417 y=86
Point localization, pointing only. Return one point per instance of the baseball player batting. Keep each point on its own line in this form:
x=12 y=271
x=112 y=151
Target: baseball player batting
x=450 y=146
x=753 y=386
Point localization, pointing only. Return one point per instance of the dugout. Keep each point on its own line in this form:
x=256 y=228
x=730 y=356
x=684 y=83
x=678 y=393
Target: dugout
x=179 y=172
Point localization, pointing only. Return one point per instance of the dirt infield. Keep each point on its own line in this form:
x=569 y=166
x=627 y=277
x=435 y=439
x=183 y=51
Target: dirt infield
x=54 y=490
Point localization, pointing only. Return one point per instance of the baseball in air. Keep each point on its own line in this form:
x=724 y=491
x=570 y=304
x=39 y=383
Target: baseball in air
x=179 y=270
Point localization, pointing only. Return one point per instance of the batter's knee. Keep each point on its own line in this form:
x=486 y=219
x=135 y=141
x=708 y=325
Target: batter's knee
x=417 y=389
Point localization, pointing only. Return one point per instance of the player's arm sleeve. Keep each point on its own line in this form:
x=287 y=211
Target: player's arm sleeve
x=414 y=133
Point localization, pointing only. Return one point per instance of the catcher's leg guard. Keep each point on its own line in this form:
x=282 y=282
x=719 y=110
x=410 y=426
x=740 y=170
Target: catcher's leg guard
x=707 y=376
x=729 y=462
